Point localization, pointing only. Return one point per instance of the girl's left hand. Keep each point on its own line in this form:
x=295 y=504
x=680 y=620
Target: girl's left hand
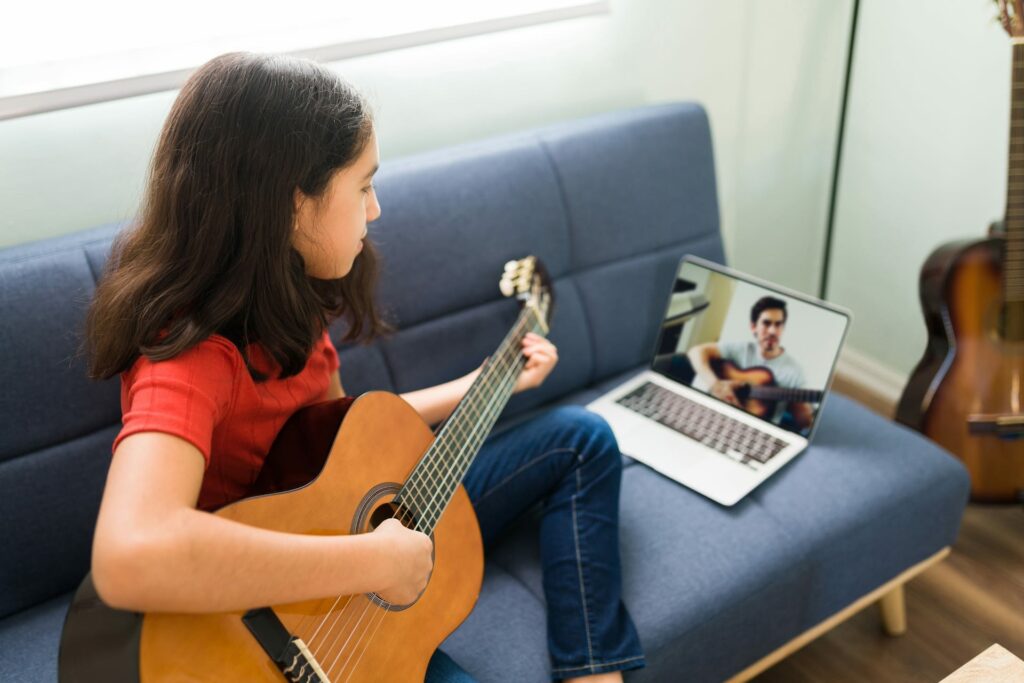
x=541 y=358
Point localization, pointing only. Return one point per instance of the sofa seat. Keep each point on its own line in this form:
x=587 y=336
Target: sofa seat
x=29 y=641
x=696 y=574
x=866 y=500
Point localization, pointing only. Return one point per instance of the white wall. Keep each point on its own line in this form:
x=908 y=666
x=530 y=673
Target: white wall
x=768 y=75
x=924 y=160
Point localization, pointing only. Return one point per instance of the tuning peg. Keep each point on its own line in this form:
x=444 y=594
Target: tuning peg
x=506 y=287
x=510 y=266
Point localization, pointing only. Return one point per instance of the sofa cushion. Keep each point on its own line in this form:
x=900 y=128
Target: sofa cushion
x=609 y=204
x=451 y=219
x=713 y=589
x=30 y=641
x=634 y=181
x=812 y=539
x=871 y=496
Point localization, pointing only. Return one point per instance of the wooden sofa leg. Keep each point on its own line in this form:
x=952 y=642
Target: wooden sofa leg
x=894 y=611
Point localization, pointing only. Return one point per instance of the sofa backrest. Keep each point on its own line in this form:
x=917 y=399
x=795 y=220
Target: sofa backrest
x=609 y=203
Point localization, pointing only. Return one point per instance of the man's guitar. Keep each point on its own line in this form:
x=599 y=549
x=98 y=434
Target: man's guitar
x=965 y=393
x=337 y=467
x=758 y=394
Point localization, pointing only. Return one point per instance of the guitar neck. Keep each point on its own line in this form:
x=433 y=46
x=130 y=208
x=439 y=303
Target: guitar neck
x=782 y=394
x=1013 y=256
x=435 y=478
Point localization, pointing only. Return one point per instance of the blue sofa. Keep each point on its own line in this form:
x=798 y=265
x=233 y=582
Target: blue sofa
x=610 y=203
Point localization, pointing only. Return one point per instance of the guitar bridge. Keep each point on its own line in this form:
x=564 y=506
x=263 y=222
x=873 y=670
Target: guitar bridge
x=1006 y=425
x=289 y=653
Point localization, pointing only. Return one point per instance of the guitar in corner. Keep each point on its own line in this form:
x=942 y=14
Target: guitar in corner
x=966 y=391
x=337 y=467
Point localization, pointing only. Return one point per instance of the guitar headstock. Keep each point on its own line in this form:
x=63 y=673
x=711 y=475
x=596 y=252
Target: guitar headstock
x=527 y=279
x=1013 y=22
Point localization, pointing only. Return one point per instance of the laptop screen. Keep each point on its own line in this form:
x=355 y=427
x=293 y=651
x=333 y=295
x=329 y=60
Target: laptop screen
x=766 y=350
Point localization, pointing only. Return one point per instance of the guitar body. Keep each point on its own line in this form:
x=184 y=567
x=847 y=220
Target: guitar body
x=751 y=377
x=376 y=447
x=968 y=368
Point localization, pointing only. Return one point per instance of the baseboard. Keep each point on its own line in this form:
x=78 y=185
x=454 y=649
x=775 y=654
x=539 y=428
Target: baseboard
x=869 y=381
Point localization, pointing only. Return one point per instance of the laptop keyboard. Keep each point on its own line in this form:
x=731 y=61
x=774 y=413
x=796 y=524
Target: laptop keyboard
x=703 y=424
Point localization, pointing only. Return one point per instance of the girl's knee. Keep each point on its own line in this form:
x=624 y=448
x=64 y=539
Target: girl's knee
x=592 y=432
x=583 y=420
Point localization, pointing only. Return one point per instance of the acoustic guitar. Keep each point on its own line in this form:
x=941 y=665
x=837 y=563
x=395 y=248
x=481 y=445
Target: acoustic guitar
x=337 y=467
x=966 y=391
x=759 y=393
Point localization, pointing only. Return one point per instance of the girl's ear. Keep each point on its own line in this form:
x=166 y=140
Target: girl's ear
x=299 y=199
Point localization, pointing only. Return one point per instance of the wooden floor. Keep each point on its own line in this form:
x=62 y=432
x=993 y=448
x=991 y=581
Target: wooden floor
x=955 y=610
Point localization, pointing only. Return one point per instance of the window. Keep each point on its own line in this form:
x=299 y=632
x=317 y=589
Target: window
x=52 y=57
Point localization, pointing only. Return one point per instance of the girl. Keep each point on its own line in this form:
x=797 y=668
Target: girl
x=214 y=310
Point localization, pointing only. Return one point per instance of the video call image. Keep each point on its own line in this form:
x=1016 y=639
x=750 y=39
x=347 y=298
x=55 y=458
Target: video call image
x=766 y=353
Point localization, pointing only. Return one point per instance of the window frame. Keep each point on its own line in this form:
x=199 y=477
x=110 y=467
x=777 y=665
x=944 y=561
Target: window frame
x=25 y=104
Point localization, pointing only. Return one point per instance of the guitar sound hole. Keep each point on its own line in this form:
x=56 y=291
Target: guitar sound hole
x=389 y=510
x=376 y=506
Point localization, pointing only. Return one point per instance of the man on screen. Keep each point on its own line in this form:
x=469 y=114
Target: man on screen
x=767 y=323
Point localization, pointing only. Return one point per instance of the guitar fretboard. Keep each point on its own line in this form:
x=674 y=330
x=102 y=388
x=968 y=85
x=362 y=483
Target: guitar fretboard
x=1013 y=259
x=433 y=481
x=783 y=394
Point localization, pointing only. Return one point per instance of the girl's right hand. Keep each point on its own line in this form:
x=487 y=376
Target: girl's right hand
x=411 y=555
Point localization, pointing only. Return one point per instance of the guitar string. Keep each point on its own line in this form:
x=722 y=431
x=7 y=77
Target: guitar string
x=497 y=372
x=341 y=616
x=491 y=409
x=339 y=612
x=342 y=611
x=380 y=619
x=304 y=624
x=437 y=501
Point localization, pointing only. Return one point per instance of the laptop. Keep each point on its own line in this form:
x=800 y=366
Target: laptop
x=738 y=377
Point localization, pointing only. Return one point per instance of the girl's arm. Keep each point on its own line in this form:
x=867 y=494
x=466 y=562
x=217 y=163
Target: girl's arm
x=153 y=551
x=433 y=404
x=437 y=403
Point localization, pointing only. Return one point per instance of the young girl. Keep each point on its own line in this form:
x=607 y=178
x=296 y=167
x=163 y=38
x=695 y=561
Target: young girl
x=214 y=310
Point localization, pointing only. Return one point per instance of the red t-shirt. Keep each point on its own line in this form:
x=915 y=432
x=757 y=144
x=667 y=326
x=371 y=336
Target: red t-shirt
x=207 y=397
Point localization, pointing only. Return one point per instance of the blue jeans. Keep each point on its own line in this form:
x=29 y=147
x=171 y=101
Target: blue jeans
x=567 y=457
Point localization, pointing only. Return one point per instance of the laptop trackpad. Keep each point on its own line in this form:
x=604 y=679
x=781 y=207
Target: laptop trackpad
x=673 y=451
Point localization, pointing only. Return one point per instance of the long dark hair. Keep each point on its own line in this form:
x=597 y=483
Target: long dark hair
x=211 y=250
